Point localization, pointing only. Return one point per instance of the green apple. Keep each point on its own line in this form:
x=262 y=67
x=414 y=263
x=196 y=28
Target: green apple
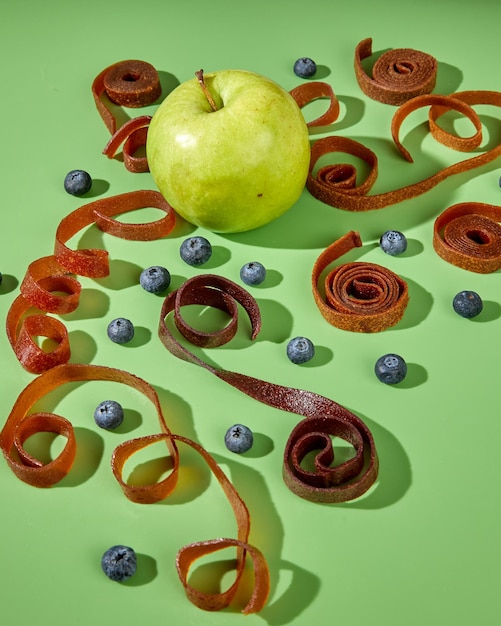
x=229 y=150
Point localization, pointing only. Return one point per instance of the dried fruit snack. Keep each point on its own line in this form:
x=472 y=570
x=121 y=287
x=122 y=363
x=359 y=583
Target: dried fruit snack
x=360 y=297
x=53 y=274
x=323 y=417
x=337 y=185
x=133 y=84
x=468 y=235
x=397 y=75
x=21 y=424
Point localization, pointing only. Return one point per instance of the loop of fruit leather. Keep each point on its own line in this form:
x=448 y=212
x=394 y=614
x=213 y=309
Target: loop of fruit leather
x=21 y=424
x=308 y=92
x=323 y=417
x=397 y=75
x=360 y=297
x=133 y=136
x=94 y=262
x=49 y=287
x=131 y=84
x=337 y=185
x=468 y=235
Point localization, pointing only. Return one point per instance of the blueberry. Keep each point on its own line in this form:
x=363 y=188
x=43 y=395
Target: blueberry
x=195 y=250
x=239 y=438
x=120 y=330
x=467 y=303
x=253 y=273
x=109 y=414
x=155 y=279
x=77 y=182
x=393 y=242
x=305 y=67
x=390 y=369
x=119 y=563
x=300 y=350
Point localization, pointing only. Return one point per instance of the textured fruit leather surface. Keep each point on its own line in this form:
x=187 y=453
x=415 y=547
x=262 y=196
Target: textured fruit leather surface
x=423 y=544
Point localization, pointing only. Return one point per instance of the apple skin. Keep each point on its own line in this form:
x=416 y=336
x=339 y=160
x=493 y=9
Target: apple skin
x=236 y=168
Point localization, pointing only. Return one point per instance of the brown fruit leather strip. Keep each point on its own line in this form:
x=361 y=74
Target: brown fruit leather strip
x=21 y=424
x=308 y=92
x=360 y=297
x=347 y=481
x=130 y=84
x=52 y=274
x=336 y=184
x=468 y=235
x=126 y=83
x=133 y=135
x=397 y=75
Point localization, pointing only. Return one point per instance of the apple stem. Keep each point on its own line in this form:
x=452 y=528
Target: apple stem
x=200 y=76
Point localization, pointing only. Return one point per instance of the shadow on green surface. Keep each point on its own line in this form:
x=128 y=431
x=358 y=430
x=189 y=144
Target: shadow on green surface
x=395 y=475
x=90 y=448
x=146 y=571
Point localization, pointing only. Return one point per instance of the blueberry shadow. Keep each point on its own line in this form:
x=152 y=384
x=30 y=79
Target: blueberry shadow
x=416 y=376
x=9 y=283
x=322 y=72
x=146 y=571
x=323 y=355
x=220 y=255
x=99 y=188
x=142 y=336
x=261 y=446
x=132 y=421
x=491 y=311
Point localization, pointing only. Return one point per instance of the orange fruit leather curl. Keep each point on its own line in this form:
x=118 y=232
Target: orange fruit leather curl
x=468 y=235
x=336 y=184
x=359 y=297
x=21 y=424
x=308 y=92
x=48 y=277
x=323 y=417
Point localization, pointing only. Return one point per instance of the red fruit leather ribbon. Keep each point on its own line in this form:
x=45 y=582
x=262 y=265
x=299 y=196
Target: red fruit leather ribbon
x=308 y=92
x=336 y=184
x=131 y=84
x=468 y=235
x=323 y=417
x=49 y=287
x=360 y=297
x=21 y=424
x=397 y=75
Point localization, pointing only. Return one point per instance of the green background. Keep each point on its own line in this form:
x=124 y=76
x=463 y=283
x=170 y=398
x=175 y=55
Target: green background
x=423 y=545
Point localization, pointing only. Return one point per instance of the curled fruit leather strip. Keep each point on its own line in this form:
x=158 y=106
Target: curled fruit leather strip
x=21 y=424
x=360 y=297
x=322 y=417
x=397 y=75
x=49 y=284
x=337 y=185
x=131 y=84
x=308 y=92
x=133 y=136
x=468 y=235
